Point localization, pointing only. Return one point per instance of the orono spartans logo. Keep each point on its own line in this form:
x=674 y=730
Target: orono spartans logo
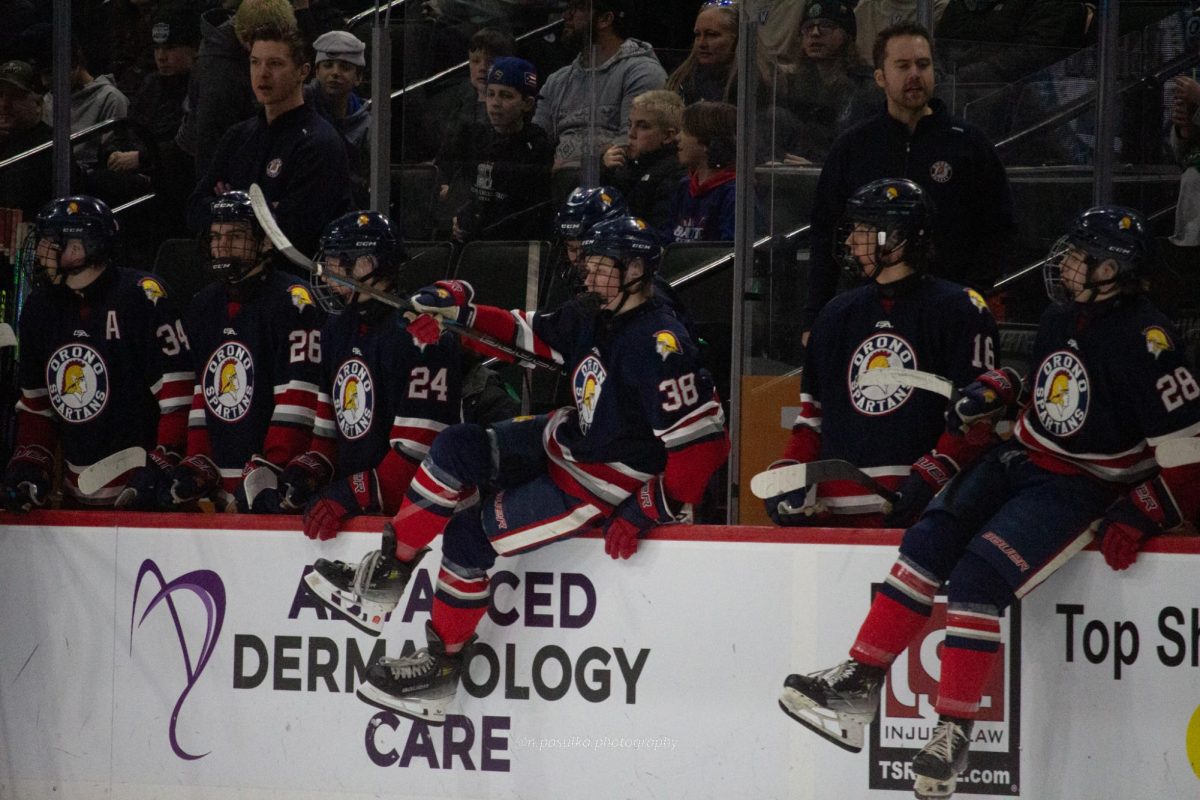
x=353 y=398
x=78 y=382
x=1060 y=393
x=880 y=351
x=587 y=382
x=229 y=381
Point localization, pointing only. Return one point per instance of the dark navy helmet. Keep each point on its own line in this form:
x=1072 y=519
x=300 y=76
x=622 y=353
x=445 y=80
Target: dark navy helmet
x=81 y=217
x=899 y=213
x=624 y=239
x=237 y=248
x=350 y=237
x=586 y=208
x=1104 y=233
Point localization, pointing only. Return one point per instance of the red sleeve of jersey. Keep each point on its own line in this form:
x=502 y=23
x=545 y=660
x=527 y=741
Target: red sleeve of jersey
x=35 y=420
x=804 y=446
x=1184 y=484
x=393 y=475
x=963 y=450
x=510 y=327
x=689 y=468
x=324 y=433
x=197 y=430
x=173 y=392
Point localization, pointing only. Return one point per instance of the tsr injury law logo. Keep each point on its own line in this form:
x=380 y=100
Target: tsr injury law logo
x=906 y=717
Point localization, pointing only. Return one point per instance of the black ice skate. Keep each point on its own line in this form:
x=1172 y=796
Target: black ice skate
x=836 y=703
x=420 y=686
x=942 y=760
x=367 y=592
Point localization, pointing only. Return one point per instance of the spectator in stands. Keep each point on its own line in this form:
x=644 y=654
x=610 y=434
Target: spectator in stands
x=647 y=170
x=1000 y=42
x=915 y=137
x=131 y=57
x=873 y=16
x=465 y=103
x=830 y=88
x=710 y=70
x=340 y=63
x=507 y=162
x=219 y=94
x=287 y=148
x=147 y=147
x=26 y=184
x=1185 y=143
x=609 y=75
x=94 y=99
x=702 y=210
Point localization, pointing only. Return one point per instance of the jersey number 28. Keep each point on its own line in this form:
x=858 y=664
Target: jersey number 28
x=1177 y=388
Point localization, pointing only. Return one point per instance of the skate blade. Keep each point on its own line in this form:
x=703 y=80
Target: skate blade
x=845 y=733
x=365 y=615
x=432 y=712
x=934 y=789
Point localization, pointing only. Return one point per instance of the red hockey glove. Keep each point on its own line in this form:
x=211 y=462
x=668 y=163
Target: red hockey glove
x=425 y=330
x=1147 y=510
x=449 y=299
x=27 y=478
x=644 y=509
x=194 y=477
x=301 y=478
x=983 y=400
x=928 y=475
x=338 y=502
x=142 y=490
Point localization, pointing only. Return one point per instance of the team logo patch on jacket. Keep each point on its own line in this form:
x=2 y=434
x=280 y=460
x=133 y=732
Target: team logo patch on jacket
x=229 y=381
x=1060 y=393
x=354 y=398
x=941 y=171
x=301 y=296
x=881 y=351
x=977 y=300
x=666 y=343
x=587 y=383
x=77 y=379
x=1157 y=341
x=153 y=289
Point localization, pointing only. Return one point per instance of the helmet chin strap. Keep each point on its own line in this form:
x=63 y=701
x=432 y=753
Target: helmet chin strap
x=1094 y=287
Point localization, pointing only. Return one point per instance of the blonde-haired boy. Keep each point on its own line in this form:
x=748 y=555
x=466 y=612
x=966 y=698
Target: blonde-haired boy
x=646 y=170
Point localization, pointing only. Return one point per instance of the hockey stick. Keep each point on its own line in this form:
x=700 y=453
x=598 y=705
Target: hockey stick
x=900 y=376
x=7 y=337
x=109 y=468
x=523 y=356
x=1178 y=452
x=266 y=219
x=774 y=482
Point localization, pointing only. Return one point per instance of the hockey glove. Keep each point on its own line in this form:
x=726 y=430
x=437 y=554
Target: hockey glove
x=194 y=477
x=646 y=508
x=258 y=493
x=339 y=501
x=448 y=299
x=142 y=490
x=926 y=478
x=301 y=478
x=27 y=478
x=982 y=401
x=796 y=507
x=1148 y=509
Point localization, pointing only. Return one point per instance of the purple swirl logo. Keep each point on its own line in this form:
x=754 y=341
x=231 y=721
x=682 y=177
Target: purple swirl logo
x=208 y=587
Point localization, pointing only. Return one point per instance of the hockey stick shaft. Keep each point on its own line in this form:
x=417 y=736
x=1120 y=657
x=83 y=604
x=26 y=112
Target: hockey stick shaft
x=915 y=378
x=523 y=356
x=266 y=219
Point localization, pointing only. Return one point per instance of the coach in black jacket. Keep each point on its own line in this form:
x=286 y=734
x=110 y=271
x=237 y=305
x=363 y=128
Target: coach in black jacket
x=916 y=138
x=293 y=153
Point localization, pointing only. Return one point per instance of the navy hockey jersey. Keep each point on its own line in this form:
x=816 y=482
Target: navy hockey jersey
x=103 y=369
x=702 y=212
x=927 y=324
x=257 y=364
x=383 y=399
x=1111 y=383
x=643 y=404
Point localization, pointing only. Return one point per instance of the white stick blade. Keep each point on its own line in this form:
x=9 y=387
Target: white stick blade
x=107 y=469
x=1178 y=452
x=899 y=376
x=7 y=337
x=774 y=482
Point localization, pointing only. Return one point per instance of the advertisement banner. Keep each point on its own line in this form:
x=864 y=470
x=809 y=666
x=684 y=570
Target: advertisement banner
x=190 y=662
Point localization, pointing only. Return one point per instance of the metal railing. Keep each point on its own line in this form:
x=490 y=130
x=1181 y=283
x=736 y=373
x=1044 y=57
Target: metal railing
x=85 y=133
x=712 y=266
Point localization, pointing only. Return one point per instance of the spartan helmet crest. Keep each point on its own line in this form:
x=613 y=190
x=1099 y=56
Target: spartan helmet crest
x=74 y=380
x=229 y=378
x=350 y=395
x=1060 y=390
